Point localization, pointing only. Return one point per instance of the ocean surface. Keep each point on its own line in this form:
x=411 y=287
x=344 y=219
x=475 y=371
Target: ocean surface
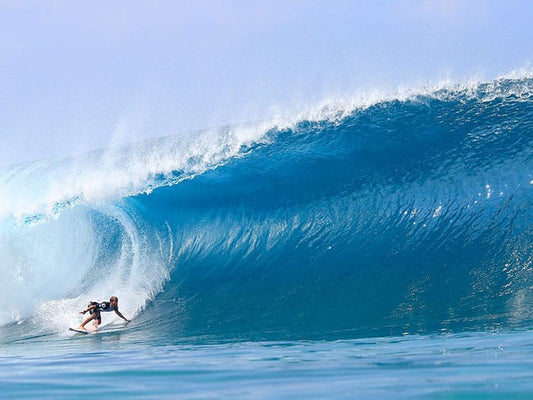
x=378 y=247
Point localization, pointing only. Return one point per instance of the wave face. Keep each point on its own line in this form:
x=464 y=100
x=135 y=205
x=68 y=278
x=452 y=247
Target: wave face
x=407 y=215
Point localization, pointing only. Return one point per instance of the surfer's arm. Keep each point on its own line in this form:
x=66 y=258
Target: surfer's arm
x=88 y=309
x=121 y=316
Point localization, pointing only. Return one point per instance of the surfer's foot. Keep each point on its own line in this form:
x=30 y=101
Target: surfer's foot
x=82 y=328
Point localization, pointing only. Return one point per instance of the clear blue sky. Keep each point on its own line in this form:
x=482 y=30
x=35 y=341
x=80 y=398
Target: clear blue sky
x=76 y=75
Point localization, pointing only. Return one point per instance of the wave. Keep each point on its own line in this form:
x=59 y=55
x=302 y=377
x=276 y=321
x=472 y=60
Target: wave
x=385 y=215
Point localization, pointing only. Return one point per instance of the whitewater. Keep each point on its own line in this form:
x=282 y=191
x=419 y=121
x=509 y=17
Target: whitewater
x=345 y=245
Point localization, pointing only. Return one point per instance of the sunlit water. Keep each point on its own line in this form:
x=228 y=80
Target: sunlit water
x=116 y=365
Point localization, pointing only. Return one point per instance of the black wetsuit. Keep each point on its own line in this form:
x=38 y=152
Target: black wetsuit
x=104 y=306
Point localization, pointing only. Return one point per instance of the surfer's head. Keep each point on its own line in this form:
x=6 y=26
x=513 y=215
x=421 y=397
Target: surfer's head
x=113 y=300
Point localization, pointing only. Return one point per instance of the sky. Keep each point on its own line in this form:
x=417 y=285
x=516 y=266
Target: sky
x=78 y=75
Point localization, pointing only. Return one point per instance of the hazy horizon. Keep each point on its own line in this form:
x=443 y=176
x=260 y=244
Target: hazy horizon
x=77 y=77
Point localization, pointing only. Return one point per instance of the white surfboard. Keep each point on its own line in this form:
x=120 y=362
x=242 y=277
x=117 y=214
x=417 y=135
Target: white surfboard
x=79 y=330
x=108 y=327
x=89 y=329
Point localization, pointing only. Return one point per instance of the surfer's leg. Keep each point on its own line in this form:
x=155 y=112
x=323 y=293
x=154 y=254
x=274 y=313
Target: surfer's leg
x=87 y=320
x=97 y=321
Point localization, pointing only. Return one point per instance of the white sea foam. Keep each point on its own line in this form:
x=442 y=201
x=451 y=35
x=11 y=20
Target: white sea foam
x=33 y=191
x=52 y=270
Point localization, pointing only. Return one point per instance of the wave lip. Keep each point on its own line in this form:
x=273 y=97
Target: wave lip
x=33 y=191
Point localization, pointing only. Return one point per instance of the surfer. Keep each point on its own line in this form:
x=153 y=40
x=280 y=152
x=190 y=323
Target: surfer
x=95 y=309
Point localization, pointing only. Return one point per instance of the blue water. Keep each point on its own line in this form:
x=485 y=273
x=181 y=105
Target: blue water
x=480 y=365
x=374 y=249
